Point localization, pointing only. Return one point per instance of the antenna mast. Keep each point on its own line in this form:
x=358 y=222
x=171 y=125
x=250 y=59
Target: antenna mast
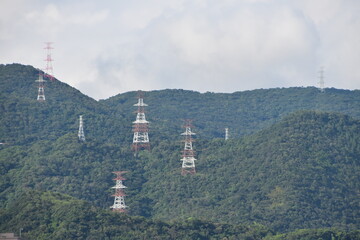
x=321 y=80
x=188 y=156
x=41 y=92
x=81 y=134
x=49 y=68
x=119 y=201
x=141 y=126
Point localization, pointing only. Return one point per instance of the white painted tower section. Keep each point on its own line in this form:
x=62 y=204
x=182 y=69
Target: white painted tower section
x=41 y=92
x=226 y=133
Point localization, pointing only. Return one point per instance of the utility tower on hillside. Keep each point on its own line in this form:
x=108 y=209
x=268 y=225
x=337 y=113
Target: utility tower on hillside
x=41 y=85
x=141 y=126
x=226 y=133
x=119 y=201
x=321 y=80
x=188 y=156
x=49 y=73
x=81 y=134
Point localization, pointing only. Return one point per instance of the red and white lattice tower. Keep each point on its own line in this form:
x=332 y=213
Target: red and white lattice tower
x=141 y=126
x=119 y=201
x=49 y=73
x=188 y=156
x=41 y=85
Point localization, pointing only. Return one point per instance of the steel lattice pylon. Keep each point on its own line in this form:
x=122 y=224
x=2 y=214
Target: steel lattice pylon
x=81 y=134
x=141 y=126
x=188 y=156
x=119 y=201
x=41 y=85
x=49 y=73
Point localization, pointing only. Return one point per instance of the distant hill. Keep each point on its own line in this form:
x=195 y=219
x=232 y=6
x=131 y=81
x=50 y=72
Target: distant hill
x=292 y=162
x=242 y=112
x=110 y=120
x=25 y=120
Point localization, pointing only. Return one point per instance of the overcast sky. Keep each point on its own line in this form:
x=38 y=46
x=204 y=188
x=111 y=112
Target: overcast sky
x=108 y=47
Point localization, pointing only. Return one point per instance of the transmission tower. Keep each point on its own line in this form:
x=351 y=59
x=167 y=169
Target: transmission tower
x=321 y=80
x=226 y=133
x=119 y=201
x=188 y=156
x=141 y=126
x=49 y=68
x=41 y=92
x=81 y=134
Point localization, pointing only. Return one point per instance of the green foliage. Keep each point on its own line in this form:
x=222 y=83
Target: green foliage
x=55 y=216
x=242 y=112
x=298 y=169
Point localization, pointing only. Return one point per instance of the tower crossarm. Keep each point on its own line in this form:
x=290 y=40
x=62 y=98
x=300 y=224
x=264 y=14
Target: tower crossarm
x=140 y=103
x=188 y=132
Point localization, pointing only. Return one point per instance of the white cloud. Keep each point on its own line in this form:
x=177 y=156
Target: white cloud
x=206 y=45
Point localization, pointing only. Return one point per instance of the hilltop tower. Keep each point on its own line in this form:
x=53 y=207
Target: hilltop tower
x=188 y=156
x=49 y=68
x=226 y=133
x=81 y=134
x=321 y=80
x=119 y=201
x=41 y=85
x=141 y=126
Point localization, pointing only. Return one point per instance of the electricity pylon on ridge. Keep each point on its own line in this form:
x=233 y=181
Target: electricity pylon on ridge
x=226 y=133
x=321 y=80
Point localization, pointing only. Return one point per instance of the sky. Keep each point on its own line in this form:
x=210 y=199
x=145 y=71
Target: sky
x=104 y=48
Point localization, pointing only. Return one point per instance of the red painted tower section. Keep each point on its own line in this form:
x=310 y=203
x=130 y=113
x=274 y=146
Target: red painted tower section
x=49 y=73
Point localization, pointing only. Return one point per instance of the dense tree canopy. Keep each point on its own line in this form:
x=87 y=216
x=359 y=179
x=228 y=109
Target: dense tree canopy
x=292 y=161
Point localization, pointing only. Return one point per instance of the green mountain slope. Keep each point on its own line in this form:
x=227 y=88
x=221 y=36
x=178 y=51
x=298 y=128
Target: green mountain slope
x=242 y=112
x=24 y=120
x=54 y=216
x=301 y=172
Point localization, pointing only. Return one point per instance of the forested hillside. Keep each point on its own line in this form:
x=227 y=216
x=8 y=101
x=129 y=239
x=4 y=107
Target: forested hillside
x=242 y=112
x=54 y=216
x=25 y=121
x=293 y=161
